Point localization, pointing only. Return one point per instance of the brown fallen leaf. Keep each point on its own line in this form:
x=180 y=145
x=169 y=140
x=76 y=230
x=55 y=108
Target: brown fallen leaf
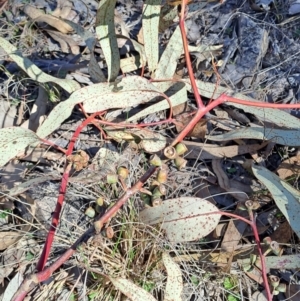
x=63 y=9
x=38 y=16
x=289 y=167
x=283 y=233
x=206 y=151
x=66 y=42
x=8 y=238
x=199 y=129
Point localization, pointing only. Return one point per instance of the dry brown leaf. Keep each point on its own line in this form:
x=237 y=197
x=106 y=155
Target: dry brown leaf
x=199 y=129
x=63 y=9
x=234 y=232
x=140 y=36
x=66 y=42
x=206 y=151
x=38 y=16
x=8 y=238
x=283 y=233
x=289 y=167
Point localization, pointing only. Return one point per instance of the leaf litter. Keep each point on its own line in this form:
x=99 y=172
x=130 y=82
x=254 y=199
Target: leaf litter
x=176 y=222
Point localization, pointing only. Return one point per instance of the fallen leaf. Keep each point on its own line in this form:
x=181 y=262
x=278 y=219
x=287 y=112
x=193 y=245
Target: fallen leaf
x=65 y=41
x=205 y=151
x=13 y=141
x=279 y=136
x=37 y=15
x=8 y=238
x=174 y=285
x=33 y=71
x=184 y=218
x=63 y=9
x=285 y=196
x=141 y=138
x=13 y=286
x=130 y=290
x=289 y=167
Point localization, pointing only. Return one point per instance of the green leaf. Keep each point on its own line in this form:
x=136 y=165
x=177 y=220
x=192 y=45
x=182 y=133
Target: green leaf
x=183 y=219
x=231 y=298
x=228 y=283
x=283 y=137
x=150 y=21
x=33 y=71
x=285 y=196
x=105 y=30
x=13 y=141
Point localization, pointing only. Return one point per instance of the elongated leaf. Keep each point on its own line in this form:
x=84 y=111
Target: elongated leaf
x=168 y=61
x=130 y=290
x=174 y=285
x=177 y=95
x=105 y=30
x=285 y=196
x=13 y=141
x=184 y=218
x=13 y=286
x=33 y=71
x=275 y=116
x=151 y=11
x=128 y=92
x=283 y=137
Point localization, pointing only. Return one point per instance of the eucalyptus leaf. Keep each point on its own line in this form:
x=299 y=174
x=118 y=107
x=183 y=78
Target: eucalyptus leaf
x=131 y=290
x=285 y=196
x=177 y=95
x=13 y=141
x=105 y=30
x=150 y=21
x=130 y=91
x=183 y=219
x=283 y=137
x=33 y=71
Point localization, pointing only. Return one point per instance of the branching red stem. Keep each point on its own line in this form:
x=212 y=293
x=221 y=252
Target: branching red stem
x=61 y=196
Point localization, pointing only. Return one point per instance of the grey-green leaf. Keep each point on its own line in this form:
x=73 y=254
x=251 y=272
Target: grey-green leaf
x=283 y=137
x=130 y=91
x=177 y=95
x=105 y=30
x=285 y=196
x=33 y=71
x=183 y=219
x=14 y=141
x=151 y=11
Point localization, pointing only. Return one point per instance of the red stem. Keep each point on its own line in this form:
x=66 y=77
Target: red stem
x=62 y=191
